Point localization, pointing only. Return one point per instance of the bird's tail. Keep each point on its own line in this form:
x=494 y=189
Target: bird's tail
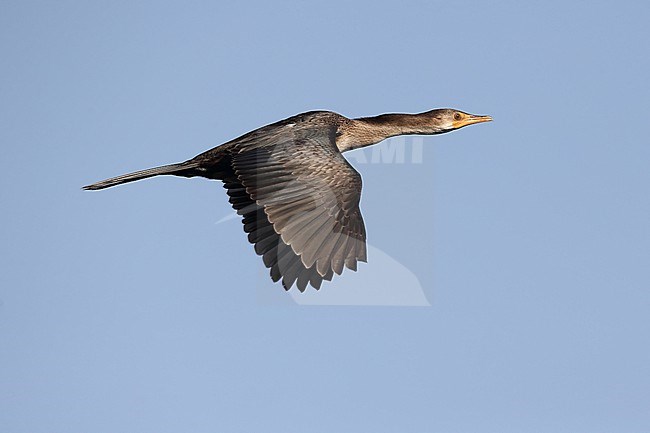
x=181 y=169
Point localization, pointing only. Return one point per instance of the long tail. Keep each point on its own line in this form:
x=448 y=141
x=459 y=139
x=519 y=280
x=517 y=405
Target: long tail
x=181 y=169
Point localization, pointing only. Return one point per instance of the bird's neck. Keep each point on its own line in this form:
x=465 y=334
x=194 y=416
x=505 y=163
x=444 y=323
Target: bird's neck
x=366 y=131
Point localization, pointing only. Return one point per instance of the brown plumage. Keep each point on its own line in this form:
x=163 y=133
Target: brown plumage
x=297 y=194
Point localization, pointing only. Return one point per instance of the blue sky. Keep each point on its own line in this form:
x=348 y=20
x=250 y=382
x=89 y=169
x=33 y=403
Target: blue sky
x=133 y=310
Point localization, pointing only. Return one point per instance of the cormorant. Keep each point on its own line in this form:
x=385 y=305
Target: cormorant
x=297 y=194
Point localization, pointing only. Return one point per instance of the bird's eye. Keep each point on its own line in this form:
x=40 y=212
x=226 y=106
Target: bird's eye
x=457 y=116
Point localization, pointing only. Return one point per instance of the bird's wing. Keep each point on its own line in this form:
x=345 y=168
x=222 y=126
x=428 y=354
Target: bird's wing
x=300 y=201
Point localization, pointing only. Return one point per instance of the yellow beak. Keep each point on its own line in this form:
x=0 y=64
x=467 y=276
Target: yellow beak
x=470 y=119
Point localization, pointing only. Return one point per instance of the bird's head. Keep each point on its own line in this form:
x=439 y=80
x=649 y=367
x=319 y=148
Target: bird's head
x=448 y=119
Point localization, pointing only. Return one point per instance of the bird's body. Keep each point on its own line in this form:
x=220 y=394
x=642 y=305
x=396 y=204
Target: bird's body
x=297 y=194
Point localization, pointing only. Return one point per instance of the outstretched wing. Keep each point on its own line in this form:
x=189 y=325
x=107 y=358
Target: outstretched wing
x=299 y=199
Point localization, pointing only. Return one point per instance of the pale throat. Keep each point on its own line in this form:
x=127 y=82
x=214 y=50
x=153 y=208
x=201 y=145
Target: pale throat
x=368 y=131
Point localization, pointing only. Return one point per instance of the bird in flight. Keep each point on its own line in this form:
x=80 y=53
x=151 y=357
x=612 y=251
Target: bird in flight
x=298 y=196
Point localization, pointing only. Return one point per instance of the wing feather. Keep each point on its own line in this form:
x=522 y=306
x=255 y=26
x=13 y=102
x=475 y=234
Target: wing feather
x=299 y=199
